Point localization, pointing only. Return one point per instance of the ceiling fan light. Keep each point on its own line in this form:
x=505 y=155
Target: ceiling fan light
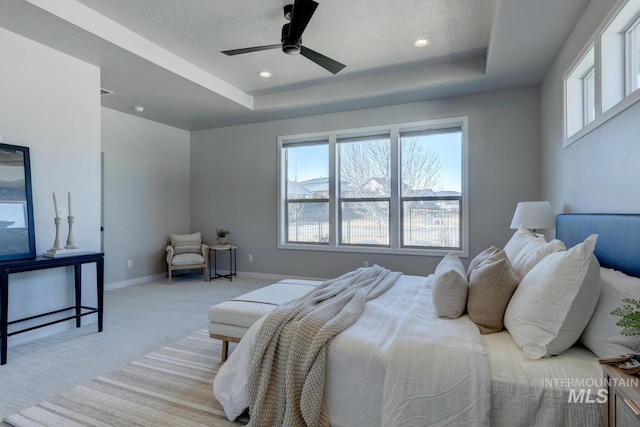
x=291 y=49
x=265 y=74
x=421 y=42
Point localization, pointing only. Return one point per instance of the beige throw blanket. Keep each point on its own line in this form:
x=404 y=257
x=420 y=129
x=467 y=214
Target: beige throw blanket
x=287 y=373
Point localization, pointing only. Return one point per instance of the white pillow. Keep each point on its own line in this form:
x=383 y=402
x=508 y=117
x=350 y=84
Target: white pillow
x=519 y=240
x=555 y=300
x=450 y=287
x=533 y=252
x=602 y=336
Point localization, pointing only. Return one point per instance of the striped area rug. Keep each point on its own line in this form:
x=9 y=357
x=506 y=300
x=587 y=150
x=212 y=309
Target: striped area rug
x=169 y=387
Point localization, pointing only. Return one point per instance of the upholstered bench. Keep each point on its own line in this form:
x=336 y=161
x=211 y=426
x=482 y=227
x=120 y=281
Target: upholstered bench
x=229 y=320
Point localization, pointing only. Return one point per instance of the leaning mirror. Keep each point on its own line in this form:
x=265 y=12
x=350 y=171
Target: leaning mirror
x=17 y=238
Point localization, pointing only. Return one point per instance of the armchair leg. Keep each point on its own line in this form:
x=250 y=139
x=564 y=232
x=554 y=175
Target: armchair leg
x=169 y=273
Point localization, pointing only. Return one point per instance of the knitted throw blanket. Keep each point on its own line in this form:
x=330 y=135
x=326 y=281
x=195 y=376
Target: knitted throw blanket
x=287 y=372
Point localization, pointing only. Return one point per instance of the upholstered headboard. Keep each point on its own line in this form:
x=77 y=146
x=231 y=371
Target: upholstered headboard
x=618 y=244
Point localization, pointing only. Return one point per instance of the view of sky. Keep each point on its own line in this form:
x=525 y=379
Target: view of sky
x=312 y=161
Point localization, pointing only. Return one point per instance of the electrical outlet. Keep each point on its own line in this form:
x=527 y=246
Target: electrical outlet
x=250 y=258
x=62 y=212
x=366 y=263
x=130 y=263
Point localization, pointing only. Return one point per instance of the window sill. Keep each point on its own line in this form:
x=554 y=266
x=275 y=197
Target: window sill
x=373 y=250
x=603 y=118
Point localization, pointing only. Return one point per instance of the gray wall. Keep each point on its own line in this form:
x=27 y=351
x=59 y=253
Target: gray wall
x=146 y=194
x=50 y=103
x=234 y=178
x=601 y=171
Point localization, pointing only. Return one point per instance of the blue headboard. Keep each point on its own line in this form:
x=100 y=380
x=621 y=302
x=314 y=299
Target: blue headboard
x=618 y=245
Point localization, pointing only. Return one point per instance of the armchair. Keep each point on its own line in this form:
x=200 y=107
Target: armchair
x=187 y=251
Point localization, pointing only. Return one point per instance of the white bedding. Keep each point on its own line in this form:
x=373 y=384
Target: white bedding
x=530 y=393
x=397 y=365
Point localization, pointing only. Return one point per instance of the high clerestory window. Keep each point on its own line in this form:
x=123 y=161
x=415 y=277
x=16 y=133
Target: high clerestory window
x=391 y=189
x=604 y=79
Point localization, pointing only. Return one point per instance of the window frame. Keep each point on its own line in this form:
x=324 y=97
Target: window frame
x=631 y=65
x=575 y=108
x=612 y=73
x=343 y=199
x=588 y=96
x=395 y=203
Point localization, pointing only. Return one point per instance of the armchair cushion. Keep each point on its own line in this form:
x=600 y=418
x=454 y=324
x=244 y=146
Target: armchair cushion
x=186 y=243
x=187 y=259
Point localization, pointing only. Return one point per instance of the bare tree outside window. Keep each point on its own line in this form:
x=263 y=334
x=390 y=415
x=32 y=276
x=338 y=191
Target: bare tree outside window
x=420 y=167
x=365 y=184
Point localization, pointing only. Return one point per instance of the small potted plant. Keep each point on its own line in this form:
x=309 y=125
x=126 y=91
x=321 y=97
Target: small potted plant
x=630 y=317
x=221 y=235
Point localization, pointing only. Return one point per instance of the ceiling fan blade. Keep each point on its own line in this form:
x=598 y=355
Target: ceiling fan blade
x=323 y=61
x=303 y=10
x=251 y=49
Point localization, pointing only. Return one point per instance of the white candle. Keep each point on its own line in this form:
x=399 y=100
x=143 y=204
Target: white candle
x=70 y=203
x=55 y=204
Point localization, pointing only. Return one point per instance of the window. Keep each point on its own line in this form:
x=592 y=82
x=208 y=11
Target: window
x=364 y=196
x=392 y=189
x=308 y=204
x=633 y=57
x=580 y=94
x=604 y=79
x=431 y=188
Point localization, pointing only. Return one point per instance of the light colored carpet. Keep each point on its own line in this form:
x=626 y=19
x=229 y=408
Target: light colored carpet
x=171 y=386
x=137 y=320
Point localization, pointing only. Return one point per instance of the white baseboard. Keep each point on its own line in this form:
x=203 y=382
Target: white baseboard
x=136 y=281
x=241 y=274
x=275 y=277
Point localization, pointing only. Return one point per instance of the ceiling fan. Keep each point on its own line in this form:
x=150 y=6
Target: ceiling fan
x=298 y=14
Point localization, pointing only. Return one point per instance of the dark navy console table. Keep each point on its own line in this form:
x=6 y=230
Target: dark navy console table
x=41 y=263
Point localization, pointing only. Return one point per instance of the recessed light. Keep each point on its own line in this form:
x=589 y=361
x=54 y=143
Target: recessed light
x=265 y=74
x=421 y=42
x=138 y=109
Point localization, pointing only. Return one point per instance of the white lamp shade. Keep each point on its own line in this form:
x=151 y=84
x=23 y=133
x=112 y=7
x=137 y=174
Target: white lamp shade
x=533 y=215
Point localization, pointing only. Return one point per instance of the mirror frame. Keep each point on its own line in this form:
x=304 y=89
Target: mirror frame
x=26 y=248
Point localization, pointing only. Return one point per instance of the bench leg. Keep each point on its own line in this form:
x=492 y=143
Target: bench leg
x=225 y=350
x=225 y=344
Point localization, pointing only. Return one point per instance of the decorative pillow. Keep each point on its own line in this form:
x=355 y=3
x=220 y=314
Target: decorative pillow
x=187 y=259
x=533 y=252
x=602 y=336
x=519 y=240
x=186 y=243
x=555 y=301
x=490 y=288
x=481 y=257
x=450 y=287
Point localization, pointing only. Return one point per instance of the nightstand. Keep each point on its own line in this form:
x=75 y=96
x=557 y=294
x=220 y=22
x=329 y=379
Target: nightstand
x=623 y=407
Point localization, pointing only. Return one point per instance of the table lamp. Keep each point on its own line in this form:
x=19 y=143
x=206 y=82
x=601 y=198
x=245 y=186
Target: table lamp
x=533 y=215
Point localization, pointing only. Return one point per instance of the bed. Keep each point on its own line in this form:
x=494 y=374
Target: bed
x=415 y=368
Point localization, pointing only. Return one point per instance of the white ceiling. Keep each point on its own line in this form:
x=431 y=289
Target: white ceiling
x=165 y=54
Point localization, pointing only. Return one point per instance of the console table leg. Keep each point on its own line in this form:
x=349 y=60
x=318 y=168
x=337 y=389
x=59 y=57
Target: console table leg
x=77 y=269
x=4 y=317
x=100 y=284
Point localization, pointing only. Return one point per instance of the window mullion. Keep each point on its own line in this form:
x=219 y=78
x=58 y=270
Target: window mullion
x=395 y=223
x=334 y=218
